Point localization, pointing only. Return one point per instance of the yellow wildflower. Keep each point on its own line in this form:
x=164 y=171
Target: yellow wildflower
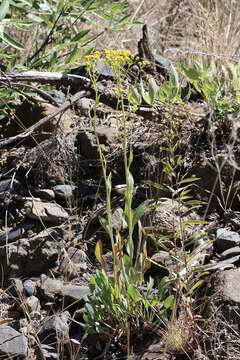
x=92 y=58
x=118 y=57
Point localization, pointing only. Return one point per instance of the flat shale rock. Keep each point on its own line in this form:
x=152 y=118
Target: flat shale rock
x=72 y=262
x=45 y=211
x=29 y=287
x=71 y=293
x=230 y=252
x=12 y=342
x=74 y=293
x=226 y=239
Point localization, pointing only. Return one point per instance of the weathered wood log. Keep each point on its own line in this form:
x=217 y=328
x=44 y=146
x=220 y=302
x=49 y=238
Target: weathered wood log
x=47 y=78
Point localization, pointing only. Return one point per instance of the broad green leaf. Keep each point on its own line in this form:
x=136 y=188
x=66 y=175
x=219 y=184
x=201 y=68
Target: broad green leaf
x=127 y=261
x=134 y=293
x=134 y=97
x=145 y=95
x=192 y=72
x=168 y=302
x=152 y=90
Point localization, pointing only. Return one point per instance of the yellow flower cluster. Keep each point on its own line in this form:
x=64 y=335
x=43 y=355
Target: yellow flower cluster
x=114 y=58
x=92 y=58
x=118 y=57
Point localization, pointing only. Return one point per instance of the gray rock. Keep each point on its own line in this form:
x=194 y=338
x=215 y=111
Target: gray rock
x=56 y=324
x=163 y=64
x=87 y=141
x=161 y=257
x=228 y=282
x=78 y=257
x=85 y=105
x=9 y=185
x=104 y=69
x=45 y=211
x=50 y=287
x=64 y=192
x=45 y=194
x=72 y=262
x=226 y=239
x=74 y=293
x=29 y=287
x=107 y=134
x=12 y=343
x=223 y=310
x=167 y=212
x=35 y=255
x=58 y=96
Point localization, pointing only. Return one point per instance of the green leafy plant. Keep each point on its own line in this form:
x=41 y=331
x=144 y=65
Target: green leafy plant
x=170 y=91
x=117 y=302
x=203 y=75
x=167 y=93
x=64 y=29
x=109 y=310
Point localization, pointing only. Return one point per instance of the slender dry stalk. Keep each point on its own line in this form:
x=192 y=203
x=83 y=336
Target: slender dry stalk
x=207 y=27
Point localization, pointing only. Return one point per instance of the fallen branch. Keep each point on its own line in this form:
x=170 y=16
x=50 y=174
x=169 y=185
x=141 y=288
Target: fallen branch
x=44 y=120
x=43 y=77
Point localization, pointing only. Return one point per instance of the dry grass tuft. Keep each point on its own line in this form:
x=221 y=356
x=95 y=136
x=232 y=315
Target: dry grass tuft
x=185 y=27
x=177 y=336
